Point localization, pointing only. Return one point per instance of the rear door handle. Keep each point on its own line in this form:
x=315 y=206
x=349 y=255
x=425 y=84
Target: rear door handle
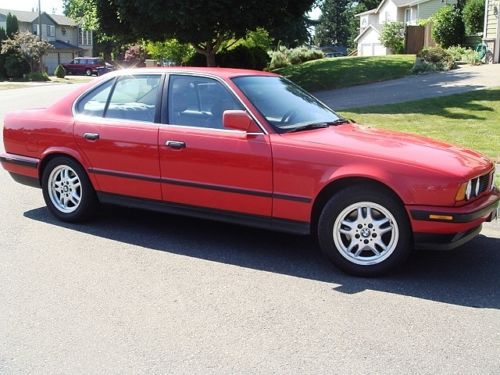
x=176 y=145
x=91 y=136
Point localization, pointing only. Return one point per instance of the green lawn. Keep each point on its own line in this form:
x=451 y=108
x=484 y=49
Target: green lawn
x=338 y=72
x=471 y=119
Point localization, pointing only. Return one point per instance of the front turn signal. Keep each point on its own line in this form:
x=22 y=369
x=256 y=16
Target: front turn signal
x=461 y=193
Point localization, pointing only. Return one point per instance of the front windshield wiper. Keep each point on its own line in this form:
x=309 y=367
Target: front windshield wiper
x=317 y=125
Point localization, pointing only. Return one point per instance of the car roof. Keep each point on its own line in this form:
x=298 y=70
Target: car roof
x=219 y=72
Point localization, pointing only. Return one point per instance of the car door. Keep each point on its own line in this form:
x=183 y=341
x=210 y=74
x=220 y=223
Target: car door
x=117 y=131
x=72 y=66
x=204 y=165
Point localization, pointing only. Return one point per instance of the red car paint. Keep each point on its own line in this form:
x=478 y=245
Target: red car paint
x=265 y=174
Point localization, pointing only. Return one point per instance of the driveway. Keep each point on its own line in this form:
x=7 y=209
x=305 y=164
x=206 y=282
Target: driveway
x=414 y=87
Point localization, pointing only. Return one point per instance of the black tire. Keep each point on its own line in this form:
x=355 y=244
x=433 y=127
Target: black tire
x=57 y=189
x=387 y=227
x=88 y=72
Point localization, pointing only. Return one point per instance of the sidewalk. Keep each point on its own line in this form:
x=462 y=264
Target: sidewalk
x=54 y=81
x=414 y=87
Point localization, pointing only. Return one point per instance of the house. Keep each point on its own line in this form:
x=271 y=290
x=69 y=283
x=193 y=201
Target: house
x=409 y=12
x=491 y=32
x=67 y=38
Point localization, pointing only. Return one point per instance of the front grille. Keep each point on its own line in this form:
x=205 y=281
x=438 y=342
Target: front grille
x=481 y=184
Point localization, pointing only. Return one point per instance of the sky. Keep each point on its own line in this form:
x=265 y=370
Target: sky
x=46 y=5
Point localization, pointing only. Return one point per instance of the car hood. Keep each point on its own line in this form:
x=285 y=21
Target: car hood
x=398 y=147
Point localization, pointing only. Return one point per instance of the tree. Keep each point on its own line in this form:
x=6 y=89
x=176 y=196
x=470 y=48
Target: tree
x=206 y=24
x=28 y=47
x=369 y=4
x=293 y=34
x=12 y=26
x=448 y=28
x=473 y=16
x=333 y=26
x=3 y=36
x=84 y=12
x=393 y=36
x=171 y=49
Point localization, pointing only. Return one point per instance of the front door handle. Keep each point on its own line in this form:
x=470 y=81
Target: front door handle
x=176 y=145
x=91 y=136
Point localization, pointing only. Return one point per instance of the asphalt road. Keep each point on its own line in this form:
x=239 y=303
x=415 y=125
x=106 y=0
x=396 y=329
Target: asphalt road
x=136 y=292
x=414 y=87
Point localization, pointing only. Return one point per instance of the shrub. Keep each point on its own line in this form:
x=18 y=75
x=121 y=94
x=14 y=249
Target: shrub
x=278 y=60
x=457 y=52
x=302 y=54
x=15 y=66
x=243 y=57
x=283 y=57
x=433 y=59
x=60 y=72
x=473 y=16
x=37 y=77
x=465 y=55
x=448 y=28
x=472 y=57
x=2 y=67
x=197 y=60
x=393 y=36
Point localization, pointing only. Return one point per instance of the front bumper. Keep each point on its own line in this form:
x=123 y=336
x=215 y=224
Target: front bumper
x=445 y=228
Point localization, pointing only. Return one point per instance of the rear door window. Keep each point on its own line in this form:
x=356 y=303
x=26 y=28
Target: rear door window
x=134 y=98
x=94 y=103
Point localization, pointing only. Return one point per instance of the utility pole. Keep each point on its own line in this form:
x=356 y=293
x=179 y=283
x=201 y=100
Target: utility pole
x=39 y=20
x=40 y=31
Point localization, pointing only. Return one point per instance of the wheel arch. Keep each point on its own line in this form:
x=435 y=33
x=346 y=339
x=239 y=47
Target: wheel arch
x=339 y=184
x=62 y=152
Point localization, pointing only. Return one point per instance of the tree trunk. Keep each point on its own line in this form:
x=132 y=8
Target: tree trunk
x=210 y=58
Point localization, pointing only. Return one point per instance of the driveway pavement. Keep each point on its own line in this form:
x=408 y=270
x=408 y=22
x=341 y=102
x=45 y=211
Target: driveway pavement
x=414 y=87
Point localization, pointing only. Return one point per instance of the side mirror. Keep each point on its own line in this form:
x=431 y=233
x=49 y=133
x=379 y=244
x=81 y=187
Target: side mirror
x=239 y=120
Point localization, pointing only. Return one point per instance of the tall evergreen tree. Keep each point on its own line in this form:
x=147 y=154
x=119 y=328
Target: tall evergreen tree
x=3 y=35
x=333 y=25
x=12 y=26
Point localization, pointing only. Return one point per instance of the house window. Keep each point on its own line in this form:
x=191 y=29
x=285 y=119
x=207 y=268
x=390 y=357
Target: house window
x=407 y=15
x=36 y=29
x=85 y=37
x=51 y=30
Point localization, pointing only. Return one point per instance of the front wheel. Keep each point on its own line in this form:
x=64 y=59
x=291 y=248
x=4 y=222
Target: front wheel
x=364 y=231
x=88 y=72
x=67 y=191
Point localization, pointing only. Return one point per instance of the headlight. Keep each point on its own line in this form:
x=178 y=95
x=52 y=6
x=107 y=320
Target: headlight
x=475 y=187
x=468 y=190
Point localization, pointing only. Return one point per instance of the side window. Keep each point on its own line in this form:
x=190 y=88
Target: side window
x=198 y=101
x=134 y=98
x=94 y=103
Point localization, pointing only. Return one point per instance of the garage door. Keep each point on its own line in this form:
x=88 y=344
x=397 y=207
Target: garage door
x=50 y=62
x=372 y=49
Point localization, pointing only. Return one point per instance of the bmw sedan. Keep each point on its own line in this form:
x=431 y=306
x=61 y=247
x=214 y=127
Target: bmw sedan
x=250 y=148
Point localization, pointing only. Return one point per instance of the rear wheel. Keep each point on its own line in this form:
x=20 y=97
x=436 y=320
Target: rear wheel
x=67 y=191
x=364 y=231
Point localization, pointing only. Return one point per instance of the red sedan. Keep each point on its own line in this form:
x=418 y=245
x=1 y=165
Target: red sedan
x=251 y=148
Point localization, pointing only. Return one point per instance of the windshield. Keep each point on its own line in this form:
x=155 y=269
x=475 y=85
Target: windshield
x=285 y=105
